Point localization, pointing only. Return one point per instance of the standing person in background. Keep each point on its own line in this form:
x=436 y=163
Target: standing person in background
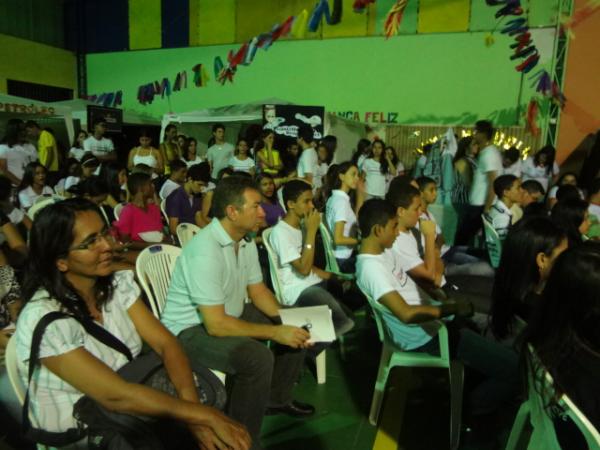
x=308 y=162
x=47 y=149
x=390 y=155
x=33 y=185
x=363 y=148
x=100 y=146
x=241 y=161
x=289 y=159
x=374 y=169
x=267 y=157
x=190 y=152
x=268 y=199
x=481 y=197
x=77 y=151
x=464 y=166
x=170 y=149
x=219 y=152
x=146 y=154
x=511 y=162
x=15 y=153
x=542 y=167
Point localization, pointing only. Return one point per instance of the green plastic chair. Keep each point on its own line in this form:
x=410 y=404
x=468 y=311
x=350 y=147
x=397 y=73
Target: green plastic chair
x=493 y=242
x=392 y=356
x=534 y=409
x=321 y=360
x=331 y=262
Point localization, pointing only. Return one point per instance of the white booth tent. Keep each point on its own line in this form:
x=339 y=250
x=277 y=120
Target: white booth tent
x=79 y=112
x=237 y=118
x=46 y=114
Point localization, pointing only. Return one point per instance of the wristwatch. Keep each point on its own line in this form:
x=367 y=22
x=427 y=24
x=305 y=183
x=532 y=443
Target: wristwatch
x=308 y=246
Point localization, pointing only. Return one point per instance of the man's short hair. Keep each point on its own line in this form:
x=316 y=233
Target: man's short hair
x=503 y=183
x=306 y=133
x=566 y=192
x=98 y=122
x=218 y=126
x=230 y=191
x=533 y=187
x=424 y=181
x=401 y=195
x=176 y=165
x=512 y=154
x=199 y=172
x=135 y=181
x=375 y=212
x=294 y=189
x=485 y=127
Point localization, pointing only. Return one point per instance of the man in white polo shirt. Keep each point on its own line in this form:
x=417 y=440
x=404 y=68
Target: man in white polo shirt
x=303 y=284
x=206 y=308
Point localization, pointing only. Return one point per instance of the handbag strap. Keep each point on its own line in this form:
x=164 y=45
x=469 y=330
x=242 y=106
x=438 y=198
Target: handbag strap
x=96 y=331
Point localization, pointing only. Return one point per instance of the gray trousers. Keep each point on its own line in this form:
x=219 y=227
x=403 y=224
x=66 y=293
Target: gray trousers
x=257 y=377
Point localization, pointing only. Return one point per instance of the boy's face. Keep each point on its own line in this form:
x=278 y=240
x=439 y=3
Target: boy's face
x=409 y=217
x=429 y=194
x=179 y=175
x=527 y=198
x=303 y=204
x=515 y=193
x=389 y=233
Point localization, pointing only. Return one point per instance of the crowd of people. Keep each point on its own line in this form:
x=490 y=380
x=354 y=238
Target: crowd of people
x=77 y=255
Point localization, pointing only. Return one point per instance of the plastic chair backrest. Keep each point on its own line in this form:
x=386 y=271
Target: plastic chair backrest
x=163 y=210
x=117 y=209
x=332 y=264
x=493 y=243
x=273 y=265
x=185 y=232
x=40 y=203
x=154 y=267
x=12 y=370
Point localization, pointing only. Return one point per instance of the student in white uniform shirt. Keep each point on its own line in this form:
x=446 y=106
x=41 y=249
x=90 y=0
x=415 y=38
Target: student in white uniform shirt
x=308 y=161
x=241 y=160
x=33 y=185
x=409 y=314
x=100 y=146
x=508 y=191
x=340 y=214
x=15 y=151
x=374 y=169
x=511 y=162
x=293 y=241
x=542 y=167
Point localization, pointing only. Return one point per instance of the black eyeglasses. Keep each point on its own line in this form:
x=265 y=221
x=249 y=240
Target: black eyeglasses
x=93 y=242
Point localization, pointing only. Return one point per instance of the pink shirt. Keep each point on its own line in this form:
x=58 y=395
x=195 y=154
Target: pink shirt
x=134 y=221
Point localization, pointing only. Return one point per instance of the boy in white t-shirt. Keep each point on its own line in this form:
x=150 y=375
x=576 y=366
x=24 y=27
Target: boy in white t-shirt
x=100 y=146
x=293 y=241
x=309 y=160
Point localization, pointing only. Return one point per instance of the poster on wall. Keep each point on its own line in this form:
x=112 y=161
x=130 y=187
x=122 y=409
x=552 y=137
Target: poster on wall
x=285 y=120
x=112 y=116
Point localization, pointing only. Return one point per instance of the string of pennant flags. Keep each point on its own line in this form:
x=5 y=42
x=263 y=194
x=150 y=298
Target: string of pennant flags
x=147 y=92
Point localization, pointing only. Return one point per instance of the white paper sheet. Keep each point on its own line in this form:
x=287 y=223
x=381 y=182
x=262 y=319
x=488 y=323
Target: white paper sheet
x=316 y=318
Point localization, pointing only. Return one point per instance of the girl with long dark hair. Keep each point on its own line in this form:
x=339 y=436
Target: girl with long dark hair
x=542 y=167
x=33 y=185
x=189 y=152
x=572 y=215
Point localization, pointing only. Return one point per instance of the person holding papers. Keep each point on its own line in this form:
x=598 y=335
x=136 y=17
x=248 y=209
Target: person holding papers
x=303 y=284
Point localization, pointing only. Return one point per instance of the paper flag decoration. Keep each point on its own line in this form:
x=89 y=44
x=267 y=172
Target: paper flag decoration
x=360 y=5
x=394 y=18
x=107 y=99
x=299 y=25
x=531 y=117
x=200 y=75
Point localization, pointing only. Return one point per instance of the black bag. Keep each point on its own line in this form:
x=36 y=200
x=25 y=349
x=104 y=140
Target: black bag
x=106 y=429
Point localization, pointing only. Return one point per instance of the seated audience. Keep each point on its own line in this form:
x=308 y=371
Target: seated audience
x=528 y=252
x=69 y=270
x=573 y=217
x=141 y=214
x=33 y=185
x=47 y=149
x=567 y=178
x=508 y=193
x=15 y=215
x=542 y=167
x=564 y=334
x=115 y=177
x=340 y=214
x=189 y=150
x=96 y=191
x=293 y=241
x=89 y=166
x=77 y=150
x=241 y=160
x=146 y=154
x=15 y=151
x=175 y=180
x=207 y=310
x=268 y=199
x=184 y=204
x=73 y=169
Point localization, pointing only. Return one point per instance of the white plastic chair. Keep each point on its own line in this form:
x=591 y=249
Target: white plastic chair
x=163 y=210
x=154 y=267
x=185 y=232
x=40 y=203
x=392 y=356
x=321 y=360
x=331 y=262
x=117 y=209
x=534 y=409
x=493 y=242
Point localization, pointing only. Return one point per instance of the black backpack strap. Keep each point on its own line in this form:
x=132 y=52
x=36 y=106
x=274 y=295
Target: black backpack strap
x=417 y=235
x=101 y=334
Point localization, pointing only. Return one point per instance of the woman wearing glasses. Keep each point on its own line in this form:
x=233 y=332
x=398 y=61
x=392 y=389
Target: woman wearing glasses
x=70 y=270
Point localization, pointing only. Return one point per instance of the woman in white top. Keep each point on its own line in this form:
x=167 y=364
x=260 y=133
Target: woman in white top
x=145 y=154
x=340 y=214
x=395 y=166
x=541 y=167
x=15 y=151
x=190 y=152
x=71 y=269
x=33 y=185
x=567 y=178
x=374 y=169
x=77 y=150
x=241 y=161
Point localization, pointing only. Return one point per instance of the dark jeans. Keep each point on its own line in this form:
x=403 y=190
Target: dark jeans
x=257 y=376
x=469 y=226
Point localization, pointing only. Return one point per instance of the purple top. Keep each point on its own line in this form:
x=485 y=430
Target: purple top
x=273 y=211
x=182 y=206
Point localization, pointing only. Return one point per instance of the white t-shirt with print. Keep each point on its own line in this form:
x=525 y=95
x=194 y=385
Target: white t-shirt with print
x=339 y=209
x=308 y=162
x=51 y=398
x=375 y=180
x=287 y=245
x=489 y=160
x=17 y=157
x=239 y=165
x=101 y=147
x=407 y=249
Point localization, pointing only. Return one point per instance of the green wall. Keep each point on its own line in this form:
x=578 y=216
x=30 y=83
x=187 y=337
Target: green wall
x=441 y=78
